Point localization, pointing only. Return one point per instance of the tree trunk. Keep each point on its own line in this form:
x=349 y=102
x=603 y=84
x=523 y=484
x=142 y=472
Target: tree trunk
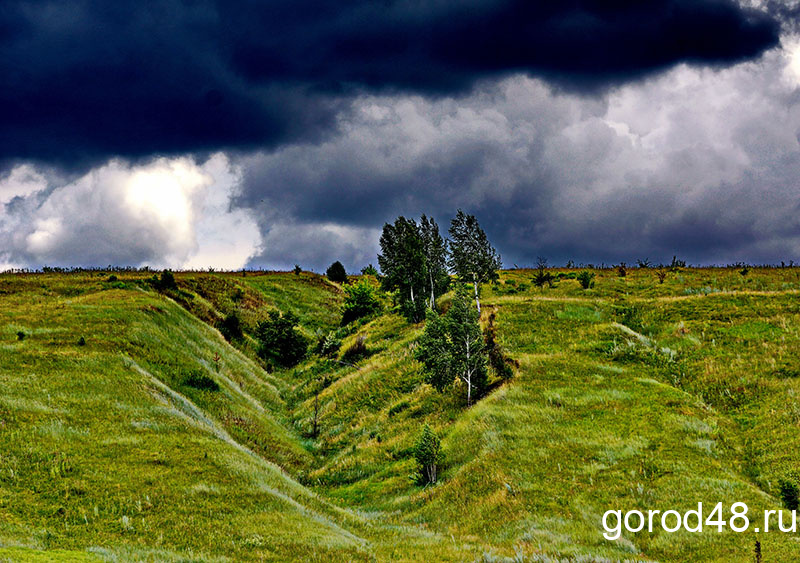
x=433 y=296
x=475 y=287
x=469 y=377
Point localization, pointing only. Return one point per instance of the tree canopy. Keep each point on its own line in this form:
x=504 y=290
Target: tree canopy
x=472 y=257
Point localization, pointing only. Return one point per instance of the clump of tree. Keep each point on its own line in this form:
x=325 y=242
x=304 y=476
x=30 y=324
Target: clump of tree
x=472 y=258
x=336 y=272
x=280 y=342
x=414 y=262
x=790 y=490
x=428 y=453
x=360 y=301
x=452 y=347
x=164 y=283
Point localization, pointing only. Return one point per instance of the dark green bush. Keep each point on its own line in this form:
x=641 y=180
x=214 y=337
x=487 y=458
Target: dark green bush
x=20 y=335
x=231 y=327
x=586 y=279
x=361 y=300
x=280 y=343
x=428 y=453
x=356 y=350
x=336 y=272
x=789 y=491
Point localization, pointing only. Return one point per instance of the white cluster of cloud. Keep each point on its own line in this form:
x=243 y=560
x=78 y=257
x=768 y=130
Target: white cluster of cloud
x=165 y=213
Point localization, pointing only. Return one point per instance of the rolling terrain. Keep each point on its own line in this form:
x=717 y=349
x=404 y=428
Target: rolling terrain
x=631 y=395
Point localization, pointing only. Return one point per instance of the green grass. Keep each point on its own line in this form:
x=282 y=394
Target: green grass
x=629 y=395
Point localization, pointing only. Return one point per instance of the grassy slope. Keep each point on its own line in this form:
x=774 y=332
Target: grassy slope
x=596 y=418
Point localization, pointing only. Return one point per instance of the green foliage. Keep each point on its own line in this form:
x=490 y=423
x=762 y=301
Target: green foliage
x=167 y=281
x=404 y=266
x=542 y=276
x=280 y=343
x=434 y=248
x=361 y=300
x=81 y=341
x=789 y=489
x=622 y=269
x=370 y=271
x=586 y=279
x=231 y=327
x=336 y=272
x=201 y=381
x=428 y=454
x=500 y=363
x=329 y=344
x=297 y=270
x=20 y=336
x=398 y=408
x=472 y=257
x=452 y=347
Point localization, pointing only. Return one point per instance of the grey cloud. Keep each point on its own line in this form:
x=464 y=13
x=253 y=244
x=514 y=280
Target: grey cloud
x=698 y=163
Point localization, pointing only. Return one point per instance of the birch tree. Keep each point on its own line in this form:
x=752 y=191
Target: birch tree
x=452 y=346
x=472 y=258
x=434 y=247
x=403 y=263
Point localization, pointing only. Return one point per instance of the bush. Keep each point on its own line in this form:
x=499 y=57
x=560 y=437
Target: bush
x=231 y=327
x=112 y=278
x=336 y=272
x=428 y=453
x=789 y=491
x=81 y=341
x=622 y=270
x=661 y=274
x=167 y=281
x=280 y=342
x=297 y=270
x=542 y=276
x=497 y=357
x=586 y=279
x=328 y=345
x=200 y=381
x=361 y=300
x=370 y=271
x=20 y=335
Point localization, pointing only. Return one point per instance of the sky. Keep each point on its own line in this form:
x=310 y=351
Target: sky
x=244 y=133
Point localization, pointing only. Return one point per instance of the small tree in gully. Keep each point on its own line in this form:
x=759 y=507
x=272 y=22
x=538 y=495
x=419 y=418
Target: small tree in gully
x=452 y=346
x=428 y=453
x=472 y=258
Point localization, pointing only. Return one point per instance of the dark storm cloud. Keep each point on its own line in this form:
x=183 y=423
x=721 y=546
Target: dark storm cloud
x=693 y=163
x=86 y=80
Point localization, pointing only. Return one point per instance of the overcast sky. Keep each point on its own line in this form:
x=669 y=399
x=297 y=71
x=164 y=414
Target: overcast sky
x=230 y=134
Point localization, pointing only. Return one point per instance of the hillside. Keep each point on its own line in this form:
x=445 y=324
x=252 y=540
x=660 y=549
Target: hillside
x=633 y=394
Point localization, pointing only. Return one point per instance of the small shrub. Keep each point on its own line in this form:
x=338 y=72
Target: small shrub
x=357 y=350
x=428 y=453
x=789 y=491
x=297 y=270
x=231 y=327
x=197 y=380
x=81 y=341
x=20 y=336
x=329 y=344
x=542 y=276
x=167 y=281
x=112 y=278
x=676 y=264
x=586 y=279
x=661 y=274
x=336 y=272
x=497 y=357
x=622 y=270
x=361 y=300
x=279 y=341
x=643 y=263
x=370 y=271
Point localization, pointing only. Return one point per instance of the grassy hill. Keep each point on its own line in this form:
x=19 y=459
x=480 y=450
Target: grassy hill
x=130 y=430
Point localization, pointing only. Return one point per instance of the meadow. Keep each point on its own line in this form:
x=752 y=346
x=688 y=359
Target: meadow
x=633 y=394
